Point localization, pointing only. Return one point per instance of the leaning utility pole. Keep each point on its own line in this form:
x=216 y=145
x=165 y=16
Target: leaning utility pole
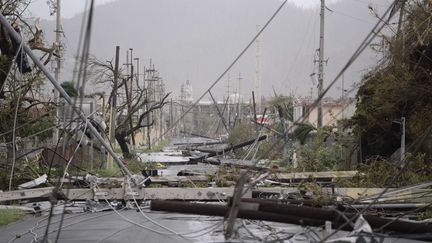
x=17 y=38
x=57 y=68
x=321 y=65
x=113 y=106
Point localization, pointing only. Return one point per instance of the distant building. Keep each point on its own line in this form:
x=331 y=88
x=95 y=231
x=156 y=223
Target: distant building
x=186 y=92
x=333 y=110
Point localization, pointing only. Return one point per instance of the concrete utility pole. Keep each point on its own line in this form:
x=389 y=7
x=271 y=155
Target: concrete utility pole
x=137 y=71
x=136 y=180
x=321 y=64
x=57 y=68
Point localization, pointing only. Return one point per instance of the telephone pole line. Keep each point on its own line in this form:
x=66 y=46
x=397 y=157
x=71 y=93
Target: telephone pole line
x=321 y=65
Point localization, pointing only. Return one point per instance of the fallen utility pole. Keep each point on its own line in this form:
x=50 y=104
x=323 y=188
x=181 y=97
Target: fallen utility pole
x=17 y=38
x=195 y=135
x=223 y=211
x=121 y=193
x=230 y=148
x=284 y=213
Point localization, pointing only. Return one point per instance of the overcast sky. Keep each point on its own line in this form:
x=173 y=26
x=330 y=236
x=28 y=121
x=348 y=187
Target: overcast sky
x=196 y=39
x=72 y=7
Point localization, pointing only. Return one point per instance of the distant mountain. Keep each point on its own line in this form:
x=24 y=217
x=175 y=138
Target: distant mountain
x=197 y=39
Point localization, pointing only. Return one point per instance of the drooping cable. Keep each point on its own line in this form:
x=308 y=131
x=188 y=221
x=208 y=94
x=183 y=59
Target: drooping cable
x=269 y=21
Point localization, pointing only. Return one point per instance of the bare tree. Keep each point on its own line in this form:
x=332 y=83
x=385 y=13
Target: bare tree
x=10 y=49
x=126 y=125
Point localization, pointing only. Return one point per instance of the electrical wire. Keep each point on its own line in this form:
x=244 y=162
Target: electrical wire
x=74 y=223
x=145 y=227
x=46 y=218
x=73 y=155
x=224 y=72
x=14 y=143
x=300 y=48
x=19 y=50
x=375 y=30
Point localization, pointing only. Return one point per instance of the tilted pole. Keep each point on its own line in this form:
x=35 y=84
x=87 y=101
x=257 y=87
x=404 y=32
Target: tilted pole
x=57 y=86
x=113 y=106
x=57 y=69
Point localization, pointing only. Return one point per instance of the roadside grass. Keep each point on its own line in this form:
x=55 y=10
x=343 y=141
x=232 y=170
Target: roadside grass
x=158 y=147
x=10 y=215
x=113 y=172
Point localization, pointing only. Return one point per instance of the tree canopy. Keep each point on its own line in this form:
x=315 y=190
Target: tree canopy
x=400 y=86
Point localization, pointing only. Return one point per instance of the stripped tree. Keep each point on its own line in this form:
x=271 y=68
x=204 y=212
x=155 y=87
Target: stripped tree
x=24 y=117
x=133 y=112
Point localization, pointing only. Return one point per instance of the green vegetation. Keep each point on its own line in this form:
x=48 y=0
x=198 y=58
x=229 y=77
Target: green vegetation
x=192 y=184
x=70 y=89
x=158 y=147
x=398 y=87
x=10 y=215
x=271 y=148
x=379 y=172
x=319 y=156
x=113 y=172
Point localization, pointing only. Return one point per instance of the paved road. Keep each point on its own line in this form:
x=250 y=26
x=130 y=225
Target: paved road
x=110 y=227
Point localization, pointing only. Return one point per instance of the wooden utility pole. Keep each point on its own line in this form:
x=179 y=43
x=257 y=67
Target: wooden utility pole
x=148 y=116
x=321 y=65
x=130 y=94
x=171 y=117
x=254 y=110
x=113 y=108
x=128 y=88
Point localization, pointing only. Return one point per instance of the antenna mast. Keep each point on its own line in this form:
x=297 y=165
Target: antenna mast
x=320 y=65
